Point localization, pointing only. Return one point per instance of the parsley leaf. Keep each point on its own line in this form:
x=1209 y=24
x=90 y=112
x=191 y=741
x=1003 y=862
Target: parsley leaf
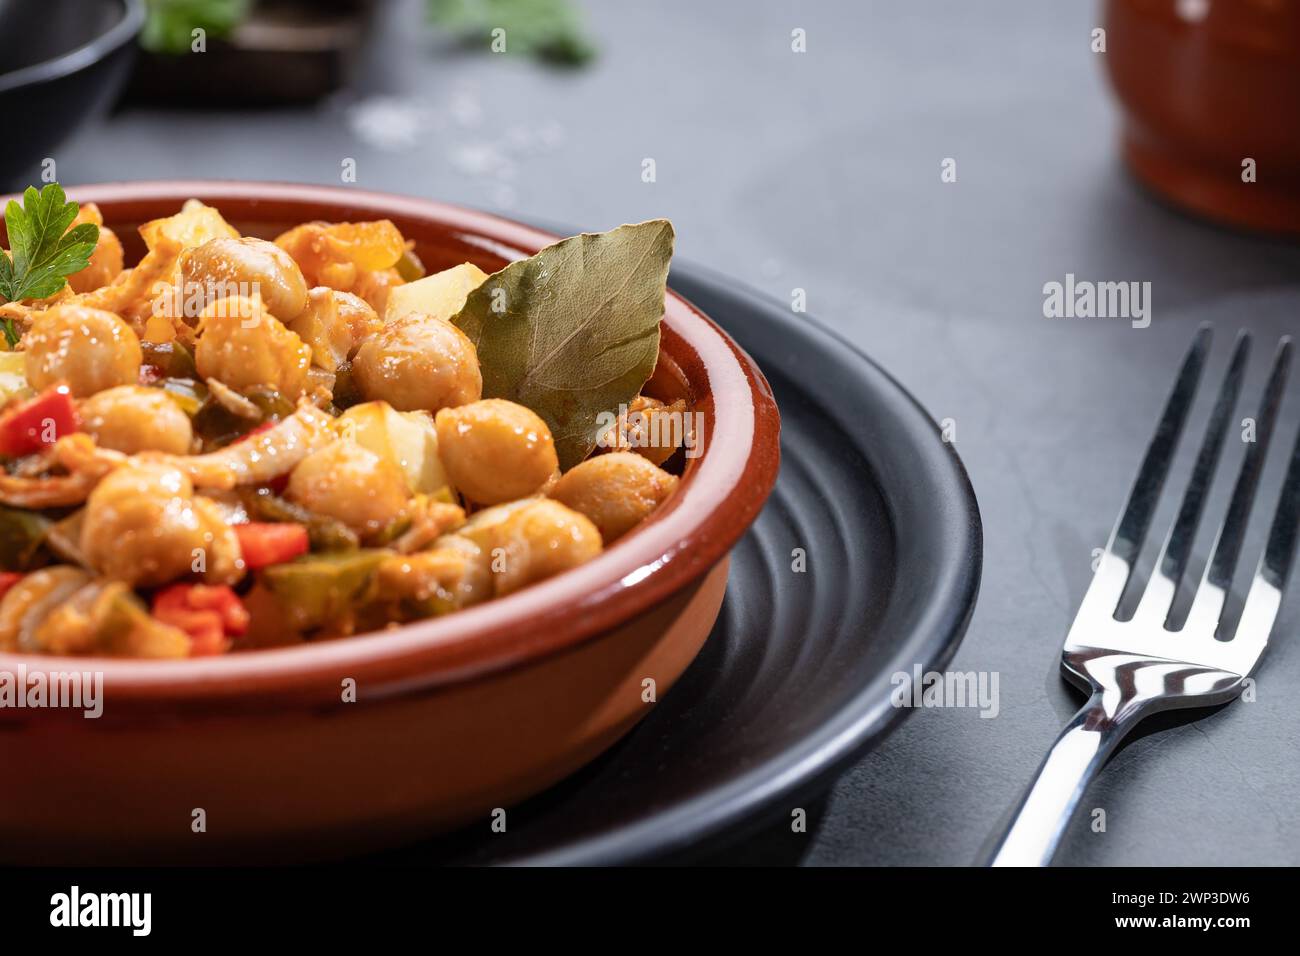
x=43 y=251
x=170 y=24
x=11 y=334
x=550 y=30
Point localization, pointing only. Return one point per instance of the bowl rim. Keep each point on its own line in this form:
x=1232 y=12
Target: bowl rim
x=88 y=54
x=720 y=494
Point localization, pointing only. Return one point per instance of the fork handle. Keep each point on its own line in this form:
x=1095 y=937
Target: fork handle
x=1045 y=810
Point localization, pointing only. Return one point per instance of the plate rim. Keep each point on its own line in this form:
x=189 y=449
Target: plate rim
x=738 y=806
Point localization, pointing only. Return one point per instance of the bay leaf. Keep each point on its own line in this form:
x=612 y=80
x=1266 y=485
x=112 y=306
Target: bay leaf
x=573 y=331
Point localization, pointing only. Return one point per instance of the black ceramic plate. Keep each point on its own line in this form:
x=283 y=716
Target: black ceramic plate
x=794 y=682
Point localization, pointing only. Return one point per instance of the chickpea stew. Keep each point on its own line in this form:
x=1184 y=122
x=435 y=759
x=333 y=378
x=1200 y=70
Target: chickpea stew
x=241 y=442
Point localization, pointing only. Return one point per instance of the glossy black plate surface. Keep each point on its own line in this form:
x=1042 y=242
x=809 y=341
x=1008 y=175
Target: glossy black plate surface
x=795 y=680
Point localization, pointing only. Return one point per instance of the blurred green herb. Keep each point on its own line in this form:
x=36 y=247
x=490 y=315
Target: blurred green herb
x=43 y=252
x=11 y=333
x=170 y=24
x=550 y=30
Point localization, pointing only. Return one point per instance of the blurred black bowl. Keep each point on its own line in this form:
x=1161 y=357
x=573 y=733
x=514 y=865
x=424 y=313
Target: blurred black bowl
x=64 y=62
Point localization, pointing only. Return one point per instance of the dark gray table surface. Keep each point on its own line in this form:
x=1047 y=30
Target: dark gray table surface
x=820 y=171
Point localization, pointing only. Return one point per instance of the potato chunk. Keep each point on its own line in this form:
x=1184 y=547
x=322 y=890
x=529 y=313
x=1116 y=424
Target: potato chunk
x=440 y=295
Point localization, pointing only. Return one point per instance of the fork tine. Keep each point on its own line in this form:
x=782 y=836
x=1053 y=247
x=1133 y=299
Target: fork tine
x=1177 y=548
x=1135 y=518
x=1279 y=553
x=1265 y=595
x=1207 y=607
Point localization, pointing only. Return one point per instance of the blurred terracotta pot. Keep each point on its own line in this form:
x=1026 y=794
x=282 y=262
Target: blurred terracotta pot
x=1211 y=99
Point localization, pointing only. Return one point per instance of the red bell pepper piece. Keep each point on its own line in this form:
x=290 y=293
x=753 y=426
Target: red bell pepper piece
x=267 y=543
x=37 y=423
x=210 y=614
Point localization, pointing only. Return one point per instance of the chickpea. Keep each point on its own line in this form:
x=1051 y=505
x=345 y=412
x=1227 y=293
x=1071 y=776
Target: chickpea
x=105 y=263
x=464 y=571
x=247 y=267
x=132 y=418
x=89 y=349
x=144 y=526
x=480 y=546
x=539 y=540
x=419 y=362
x=483 y=525
x=346 y=481
x=334 y=324
x=494 y=450
x=616 y=491
x=243 y=346
x=106 y=260
x=225 y=557
x=357 y=314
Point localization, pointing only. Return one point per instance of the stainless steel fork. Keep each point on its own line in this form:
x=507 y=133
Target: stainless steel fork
x=1137 y=667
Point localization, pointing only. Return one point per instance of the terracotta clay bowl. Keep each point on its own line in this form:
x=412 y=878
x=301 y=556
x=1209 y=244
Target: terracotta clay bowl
x=454 y=717
x=1211 y=95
